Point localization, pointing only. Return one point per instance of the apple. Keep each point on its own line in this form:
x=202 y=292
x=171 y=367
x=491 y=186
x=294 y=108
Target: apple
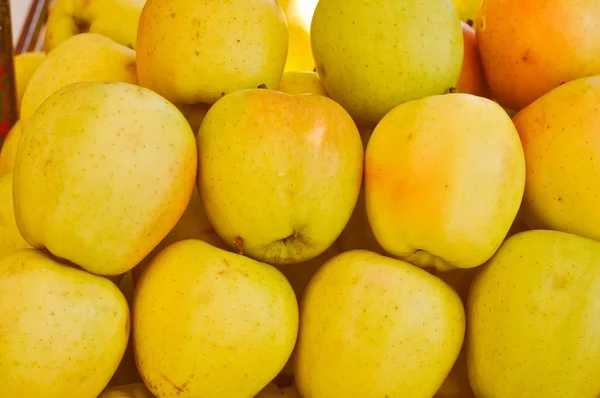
x=301 y=82
x=562 y=153
x=9 y=147
x=232 y=323
x=374 y=55
x=84 y=57
x=374 y=326
x=64 y=330
x=115 y=19
x=533 y=318
x=25 y=65
x=524 y=58
x=444 y=180
x=97 y=179
x=193 y=51
x=11 y=240
x=279 y=174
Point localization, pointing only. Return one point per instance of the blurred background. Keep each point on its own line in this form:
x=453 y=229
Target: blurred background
x=18 y=11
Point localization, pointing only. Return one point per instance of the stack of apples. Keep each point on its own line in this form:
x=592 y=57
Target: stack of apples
x=302 y=199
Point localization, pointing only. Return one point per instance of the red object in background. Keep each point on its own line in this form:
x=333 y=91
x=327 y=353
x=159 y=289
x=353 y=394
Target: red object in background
x=8 y=106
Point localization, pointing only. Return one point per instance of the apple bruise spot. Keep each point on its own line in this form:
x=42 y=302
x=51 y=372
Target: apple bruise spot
x=262 y=86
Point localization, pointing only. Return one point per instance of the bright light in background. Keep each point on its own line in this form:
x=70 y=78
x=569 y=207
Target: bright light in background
x=305 y=10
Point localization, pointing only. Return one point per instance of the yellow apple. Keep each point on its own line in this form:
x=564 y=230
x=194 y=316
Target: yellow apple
x=301 y=82
x=134 y=390
x=373 y=326
x=559 y=136
x=299 y=14
x=10 y=237
x=193 y=51
x=533 y=319
x=279 y=174
x=9 y=148
x=64 y=330
x=374 y=55
x=25 y=65
x=97 y=180
x=209 y=323
x=84 y=57
x=115 y=19
x=444 y=179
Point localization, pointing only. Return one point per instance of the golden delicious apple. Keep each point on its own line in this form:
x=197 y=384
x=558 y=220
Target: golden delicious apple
x=533 y=319
x=524 y=58
x=10 y=237
x=299 y=14
x=559 y=136
x=25 y=65
x=9 y=148
x=272 y=391
x=63 y=330
x=198 y=51
x=279 y=174
x=444 y=179
x=103 y=172
x=116 y=19
x=84 y=57
x=373 y=326
x=134 y=390
x=301 y=82
x=373 y=55
x=209 y=323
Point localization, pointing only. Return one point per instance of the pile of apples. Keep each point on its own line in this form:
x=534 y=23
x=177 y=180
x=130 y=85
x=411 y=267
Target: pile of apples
x=349 y=199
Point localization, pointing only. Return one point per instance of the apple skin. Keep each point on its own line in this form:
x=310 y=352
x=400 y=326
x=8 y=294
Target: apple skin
x=301 y=82
x=25 y=65
x=279 y=175
x=192 y=51
x=374 y=55
x=444 y=180
x=524 y=58
x=556 y=130
x=533 y=318
x=128 y=181
x=82 y=58
x=374 y=326
x=115 y=19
